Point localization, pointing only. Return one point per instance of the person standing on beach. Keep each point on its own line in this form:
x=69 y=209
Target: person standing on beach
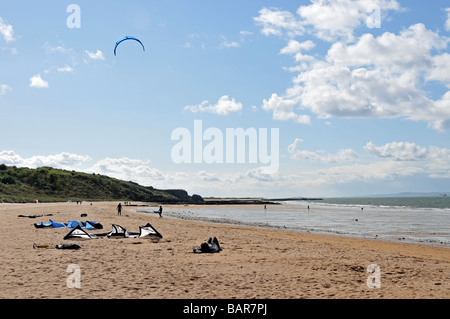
x=160 y=211
x=119 y=209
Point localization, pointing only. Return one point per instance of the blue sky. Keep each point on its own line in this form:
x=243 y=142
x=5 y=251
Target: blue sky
x=357 y=89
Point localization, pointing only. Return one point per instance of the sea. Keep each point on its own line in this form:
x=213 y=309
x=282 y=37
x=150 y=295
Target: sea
x=416 y=220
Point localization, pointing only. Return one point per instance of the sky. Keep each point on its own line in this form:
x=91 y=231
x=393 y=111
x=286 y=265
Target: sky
x=257 y=98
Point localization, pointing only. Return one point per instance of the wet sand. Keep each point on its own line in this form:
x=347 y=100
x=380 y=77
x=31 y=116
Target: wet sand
x=255 y=262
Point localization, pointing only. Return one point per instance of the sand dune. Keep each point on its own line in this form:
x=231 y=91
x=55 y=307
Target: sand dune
x=254 y=263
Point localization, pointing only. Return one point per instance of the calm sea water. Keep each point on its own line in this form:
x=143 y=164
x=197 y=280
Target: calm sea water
x=418 y=220
x=405 y=202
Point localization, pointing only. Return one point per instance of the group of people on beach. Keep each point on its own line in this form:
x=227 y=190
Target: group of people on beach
x=119 y=210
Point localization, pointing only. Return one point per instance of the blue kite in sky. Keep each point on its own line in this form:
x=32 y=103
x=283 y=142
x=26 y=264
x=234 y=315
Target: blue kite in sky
x=127 y=38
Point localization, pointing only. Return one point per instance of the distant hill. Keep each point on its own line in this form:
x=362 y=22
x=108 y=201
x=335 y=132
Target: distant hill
x=410 y=194
x=47 y=184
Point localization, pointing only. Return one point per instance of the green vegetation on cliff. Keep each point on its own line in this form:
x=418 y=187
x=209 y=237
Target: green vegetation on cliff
x=46 y=184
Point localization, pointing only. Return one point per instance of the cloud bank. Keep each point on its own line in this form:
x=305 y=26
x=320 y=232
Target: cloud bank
x=369 y=76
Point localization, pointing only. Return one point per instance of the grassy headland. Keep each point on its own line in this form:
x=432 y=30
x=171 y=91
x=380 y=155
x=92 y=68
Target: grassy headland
x=46 y=184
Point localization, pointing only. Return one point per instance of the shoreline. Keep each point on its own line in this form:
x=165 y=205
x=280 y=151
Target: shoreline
x=255 y=262
x=184 y=212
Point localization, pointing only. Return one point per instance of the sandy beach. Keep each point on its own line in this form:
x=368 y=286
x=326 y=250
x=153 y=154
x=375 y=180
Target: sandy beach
x=255 y=262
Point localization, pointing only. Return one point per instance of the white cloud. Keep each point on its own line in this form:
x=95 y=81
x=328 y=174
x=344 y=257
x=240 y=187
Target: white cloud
x=245 y=33
x=224 y=106
x=447 y=23
x=6 y=30
x=58 y=160
x=401 y=151
x=61 y=160
x=65 y=68
x=95 y=55
x=121 y=168
x=439 y=113
x=4 y=88
x=124 y=161
x=438 y=163
x=208 y=177
x=214 y=183
x=293 y=146
x=37 y=82
x=13 y=51
x=227 y=44
x=375 y=77
x=312 y=181
x=439 y=69
x=57 y=49
x=10 y=158
x=282 y=108
x=398 y=159
x=259 y=175
x=128 y=169
x=332 y=20
x=436 y=160
x=327 y=20
x=344 y=155
x=274 y=22
x=295 y=46
x=410 y=49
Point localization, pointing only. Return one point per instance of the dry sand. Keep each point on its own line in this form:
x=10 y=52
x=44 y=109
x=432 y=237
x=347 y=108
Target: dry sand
x=255 y=262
